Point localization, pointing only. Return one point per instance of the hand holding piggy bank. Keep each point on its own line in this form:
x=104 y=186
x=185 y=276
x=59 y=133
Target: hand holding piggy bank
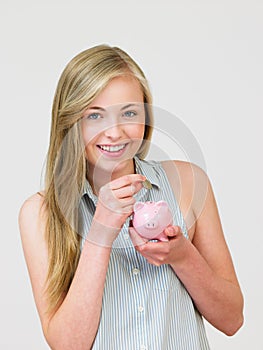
x=151 y=218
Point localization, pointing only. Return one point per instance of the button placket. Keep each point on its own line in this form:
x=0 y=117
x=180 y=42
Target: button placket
x=124 y=235
x=137 y=283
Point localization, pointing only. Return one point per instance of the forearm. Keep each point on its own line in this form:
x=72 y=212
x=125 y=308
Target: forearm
x=75 y=323
x=218 y=300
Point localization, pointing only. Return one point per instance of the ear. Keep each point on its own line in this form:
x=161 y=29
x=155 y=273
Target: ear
x=161 y=204
x=137 y=206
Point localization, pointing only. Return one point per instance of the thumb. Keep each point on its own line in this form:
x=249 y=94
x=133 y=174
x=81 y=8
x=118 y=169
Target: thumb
x=172 y=231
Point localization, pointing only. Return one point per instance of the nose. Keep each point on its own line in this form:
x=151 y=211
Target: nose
x=114 y=132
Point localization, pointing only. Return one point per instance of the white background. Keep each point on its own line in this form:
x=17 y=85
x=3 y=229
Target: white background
x=203 y=60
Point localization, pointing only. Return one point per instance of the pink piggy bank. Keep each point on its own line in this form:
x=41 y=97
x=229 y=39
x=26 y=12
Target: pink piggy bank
x=151 y=218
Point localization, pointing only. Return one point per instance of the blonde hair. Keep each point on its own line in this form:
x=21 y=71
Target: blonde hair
x=82 y=80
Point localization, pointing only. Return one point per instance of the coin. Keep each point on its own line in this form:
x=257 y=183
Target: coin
x=146 y=184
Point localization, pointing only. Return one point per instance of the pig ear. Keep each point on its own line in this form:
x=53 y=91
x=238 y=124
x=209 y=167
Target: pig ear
x=137 y=206
x=161 y=204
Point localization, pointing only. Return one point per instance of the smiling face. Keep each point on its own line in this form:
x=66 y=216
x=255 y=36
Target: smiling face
x=113 y=127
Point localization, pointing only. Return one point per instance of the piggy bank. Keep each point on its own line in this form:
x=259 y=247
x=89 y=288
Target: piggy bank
x=151 y=218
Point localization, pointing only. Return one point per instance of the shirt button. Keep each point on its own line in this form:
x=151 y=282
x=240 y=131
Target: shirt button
x=135 y=271
x=143 y=347
x=126 y=236
x=140 y=309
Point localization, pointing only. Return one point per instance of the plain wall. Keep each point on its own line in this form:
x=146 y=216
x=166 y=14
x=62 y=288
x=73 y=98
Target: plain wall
x=203 y=60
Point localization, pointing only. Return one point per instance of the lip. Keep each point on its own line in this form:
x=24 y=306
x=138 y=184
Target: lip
x=112 y=154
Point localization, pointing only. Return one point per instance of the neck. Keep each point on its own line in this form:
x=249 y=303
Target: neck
x=100 y=176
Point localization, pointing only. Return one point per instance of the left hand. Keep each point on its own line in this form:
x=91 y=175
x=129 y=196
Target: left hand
x=159 y=253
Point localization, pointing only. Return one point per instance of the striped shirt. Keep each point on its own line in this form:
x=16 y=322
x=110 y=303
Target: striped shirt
x=144 y=307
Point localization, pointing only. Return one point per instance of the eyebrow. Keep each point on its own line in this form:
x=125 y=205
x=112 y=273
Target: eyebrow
x=104 y=110
x=97 y=108
x=129 y=105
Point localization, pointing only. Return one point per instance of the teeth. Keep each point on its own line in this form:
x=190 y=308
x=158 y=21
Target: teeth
x=112 y=148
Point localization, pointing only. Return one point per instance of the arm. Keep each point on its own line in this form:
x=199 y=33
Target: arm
x=74 y=323
x=213 y=284
x=202 y=263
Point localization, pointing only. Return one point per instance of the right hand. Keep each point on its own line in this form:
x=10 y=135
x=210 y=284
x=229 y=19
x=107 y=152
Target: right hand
x=115 y=205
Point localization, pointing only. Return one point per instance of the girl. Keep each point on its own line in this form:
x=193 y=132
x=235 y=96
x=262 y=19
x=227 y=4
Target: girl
x=96 y=283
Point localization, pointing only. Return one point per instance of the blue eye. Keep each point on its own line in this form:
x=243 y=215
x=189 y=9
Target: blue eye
x=130 y=114
x=94 y=116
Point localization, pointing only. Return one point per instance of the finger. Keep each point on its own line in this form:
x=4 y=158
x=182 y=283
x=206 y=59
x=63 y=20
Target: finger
x=126 y=180
x=137 y=240
x=127 y=201
x=129 y=190
x=172 y=231
x=122 y=206
x=127 y=210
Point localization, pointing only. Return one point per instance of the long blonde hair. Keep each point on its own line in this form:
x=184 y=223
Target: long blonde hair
x=82 y=80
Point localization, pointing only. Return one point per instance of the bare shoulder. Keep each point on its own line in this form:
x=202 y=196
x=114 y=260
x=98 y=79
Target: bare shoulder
x=32 y=204
x=187 y=171
x=32 y=214
x=33 y=199
x=190 y=186
x=187 y=178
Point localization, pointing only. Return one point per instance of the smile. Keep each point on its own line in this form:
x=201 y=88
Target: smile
x=112 y=149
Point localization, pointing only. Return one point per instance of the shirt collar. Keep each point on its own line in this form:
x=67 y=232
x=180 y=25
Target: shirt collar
x=89 y=192
x=141 y=167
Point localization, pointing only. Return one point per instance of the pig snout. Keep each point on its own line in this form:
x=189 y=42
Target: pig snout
x=151 y=224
